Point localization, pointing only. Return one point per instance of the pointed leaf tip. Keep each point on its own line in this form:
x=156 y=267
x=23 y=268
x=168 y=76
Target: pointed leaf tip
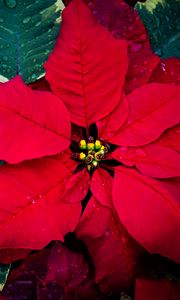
x=33 y=123
x=83 y=63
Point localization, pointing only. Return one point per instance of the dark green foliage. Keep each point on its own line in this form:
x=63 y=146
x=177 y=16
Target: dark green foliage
x=162 y=21
x=4 y=271
x=28 y=30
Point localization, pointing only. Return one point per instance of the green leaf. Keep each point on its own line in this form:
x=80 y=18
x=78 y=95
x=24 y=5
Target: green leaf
x=162 y=21
x=28 y=31
x=4 y=271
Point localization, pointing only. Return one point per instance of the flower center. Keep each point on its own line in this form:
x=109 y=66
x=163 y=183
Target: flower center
x=91 y=152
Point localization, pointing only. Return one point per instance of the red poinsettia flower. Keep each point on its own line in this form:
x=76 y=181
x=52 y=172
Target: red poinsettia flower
x=40 y=198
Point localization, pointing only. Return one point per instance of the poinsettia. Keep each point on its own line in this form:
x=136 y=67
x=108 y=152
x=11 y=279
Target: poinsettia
x=116 y=155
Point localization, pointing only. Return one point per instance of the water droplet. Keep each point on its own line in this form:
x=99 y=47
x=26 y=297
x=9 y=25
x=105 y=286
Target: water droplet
x=103 y=184
x=26 y=20
x=140 y=153
x=10 y=3
x=37 y=24
x=40 y=196
x=136 y=47
x=33 y=201
x=124 y=149
x=33 y=76
x=120 y=157
x=163 y=67
x=107 y=233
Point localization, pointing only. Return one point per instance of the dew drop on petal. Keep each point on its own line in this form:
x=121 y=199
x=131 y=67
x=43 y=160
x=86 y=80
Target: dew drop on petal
x=163 y=67
x=140 y=153
x=124 y=149
x=107 y=233
x=136 y=47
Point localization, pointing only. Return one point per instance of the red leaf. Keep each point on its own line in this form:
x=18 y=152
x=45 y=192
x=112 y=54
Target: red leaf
x=33 y=123
x=152 y=160
x=125 y=23
x=101 y=187
x=70 y=270
x=114 y=253
x=149 y=209
x=77 y=187
x=94 y=220
x=157 y=290
x=152 y=109
x=167 y=71
x=32 y=212
x=87 y=66
x=111 y=123
x=171 y=138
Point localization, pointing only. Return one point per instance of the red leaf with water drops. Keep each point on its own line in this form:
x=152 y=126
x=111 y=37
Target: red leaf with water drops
x=70 y=270
x=125 y=23
x=152 y=160
x=101 y=187
x=32 y=211
x=152 y=203
x=81 y=67
x=77 y=187
x=111 y=123
x=114 y=253
x=152 y=109
x=171 y=138
x=33 y=123
x=157 y=290
x=167 y=71
x=94 y=220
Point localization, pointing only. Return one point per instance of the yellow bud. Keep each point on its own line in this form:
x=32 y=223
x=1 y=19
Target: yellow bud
x=102 y=147
x=82 y=156
x=90 y=146
x=95 y=163
x=97 y=145
x=83 y=144
x=89 y=167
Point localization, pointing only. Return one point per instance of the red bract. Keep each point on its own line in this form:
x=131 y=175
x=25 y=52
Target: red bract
x=31 y=192
x=31 y=111
x=87 y=66
x=113 y=251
